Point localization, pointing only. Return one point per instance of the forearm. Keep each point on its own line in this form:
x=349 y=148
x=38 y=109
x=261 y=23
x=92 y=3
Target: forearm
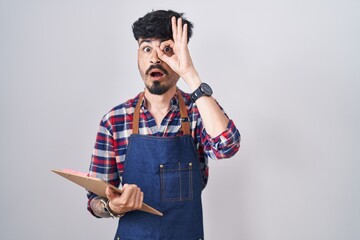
x=214 y=119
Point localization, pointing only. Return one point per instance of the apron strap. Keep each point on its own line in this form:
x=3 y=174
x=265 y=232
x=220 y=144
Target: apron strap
x=136 y=115
x=185 y=123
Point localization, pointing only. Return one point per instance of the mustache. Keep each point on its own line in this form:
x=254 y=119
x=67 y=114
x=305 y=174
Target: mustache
x=157 y=66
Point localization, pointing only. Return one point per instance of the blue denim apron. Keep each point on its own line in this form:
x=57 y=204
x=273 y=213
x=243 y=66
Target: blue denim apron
x=167 y=169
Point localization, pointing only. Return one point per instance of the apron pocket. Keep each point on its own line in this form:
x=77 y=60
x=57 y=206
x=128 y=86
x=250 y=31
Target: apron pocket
x=176 y=182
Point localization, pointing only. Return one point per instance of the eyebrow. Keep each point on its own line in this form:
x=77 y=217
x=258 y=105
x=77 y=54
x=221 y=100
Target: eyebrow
x=146 y=40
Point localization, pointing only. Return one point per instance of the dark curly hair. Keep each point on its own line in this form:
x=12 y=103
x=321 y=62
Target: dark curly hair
x=157 y=24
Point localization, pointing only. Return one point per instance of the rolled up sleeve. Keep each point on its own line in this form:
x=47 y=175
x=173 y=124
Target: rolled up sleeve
x=225 y=145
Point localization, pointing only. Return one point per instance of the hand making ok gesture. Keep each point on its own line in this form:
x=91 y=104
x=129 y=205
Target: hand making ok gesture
x=175 y=52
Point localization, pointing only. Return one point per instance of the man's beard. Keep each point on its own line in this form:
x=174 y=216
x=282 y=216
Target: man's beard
x=158 y=89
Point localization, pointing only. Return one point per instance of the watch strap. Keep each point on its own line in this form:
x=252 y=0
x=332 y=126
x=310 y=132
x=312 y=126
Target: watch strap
x=196 y=94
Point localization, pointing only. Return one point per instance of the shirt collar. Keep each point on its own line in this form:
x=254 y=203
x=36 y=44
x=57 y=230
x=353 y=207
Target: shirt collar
x=174 y=103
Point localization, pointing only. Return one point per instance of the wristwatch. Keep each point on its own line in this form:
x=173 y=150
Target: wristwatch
x=203 y=90
x=108 y=209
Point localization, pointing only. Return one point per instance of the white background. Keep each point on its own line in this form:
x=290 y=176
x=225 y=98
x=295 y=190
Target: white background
x=287 y=73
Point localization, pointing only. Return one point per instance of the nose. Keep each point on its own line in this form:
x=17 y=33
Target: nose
x=154 y=59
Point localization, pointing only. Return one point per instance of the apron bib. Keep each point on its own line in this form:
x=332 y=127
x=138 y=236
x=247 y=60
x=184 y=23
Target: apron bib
x=167 y=170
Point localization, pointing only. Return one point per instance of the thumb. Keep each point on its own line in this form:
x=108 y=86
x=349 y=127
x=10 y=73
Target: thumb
x=110 y=194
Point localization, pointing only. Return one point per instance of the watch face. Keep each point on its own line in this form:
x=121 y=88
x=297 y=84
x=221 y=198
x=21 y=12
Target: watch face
x=206 y=89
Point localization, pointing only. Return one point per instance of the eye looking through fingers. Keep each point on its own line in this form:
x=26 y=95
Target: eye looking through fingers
x=167 y=49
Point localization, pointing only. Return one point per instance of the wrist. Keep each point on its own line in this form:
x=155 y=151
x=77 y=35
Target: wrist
x=107 y=208
x=192 y=79
x=113 y=209
x=203 y=90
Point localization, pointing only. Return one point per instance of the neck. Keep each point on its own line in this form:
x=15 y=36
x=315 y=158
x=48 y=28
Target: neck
x=159 y=103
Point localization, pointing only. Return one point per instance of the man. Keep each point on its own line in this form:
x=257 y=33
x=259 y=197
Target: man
x=157 y=144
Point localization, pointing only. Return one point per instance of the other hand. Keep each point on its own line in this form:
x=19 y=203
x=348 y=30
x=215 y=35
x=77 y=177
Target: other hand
x=131 y=199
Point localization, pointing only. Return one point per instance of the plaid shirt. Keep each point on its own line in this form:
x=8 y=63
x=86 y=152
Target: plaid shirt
x=115 y=128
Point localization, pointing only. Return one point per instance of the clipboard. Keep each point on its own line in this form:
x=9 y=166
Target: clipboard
x=97 y=186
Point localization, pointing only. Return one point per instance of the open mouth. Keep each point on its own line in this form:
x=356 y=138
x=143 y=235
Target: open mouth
x=156 y=73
